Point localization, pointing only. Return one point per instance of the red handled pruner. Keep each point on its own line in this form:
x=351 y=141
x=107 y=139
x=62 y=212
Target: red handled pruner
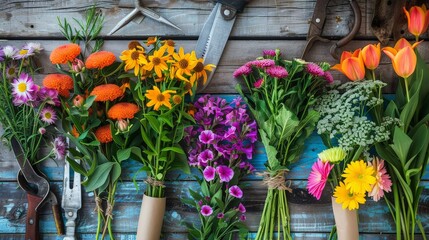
x=318 y=21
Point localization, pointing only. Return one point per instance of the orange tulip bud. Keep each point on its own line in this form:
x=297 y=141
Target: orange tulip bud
x=371 y=56
x=351 y=65
x=404 y=61
x=418 y=20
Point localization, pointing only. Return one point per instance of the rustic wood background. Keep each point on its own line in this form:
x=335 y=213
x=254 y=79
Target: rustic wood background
x=264 y=24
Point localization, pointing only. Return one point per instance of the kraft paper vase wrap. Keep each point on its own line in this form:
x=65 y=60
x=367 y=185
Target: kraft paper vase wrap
x=151 y=217
x=346 y=222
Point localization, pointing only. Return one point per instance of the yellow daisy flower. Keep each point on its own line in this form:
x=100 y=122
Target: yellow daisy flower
x=158 y=98
x=359 y=177
x=201 y=71
x=134 y=59
x=170 y=45
x=347 y=199
x=157 y=61
x=184 y=63
x=332 y=155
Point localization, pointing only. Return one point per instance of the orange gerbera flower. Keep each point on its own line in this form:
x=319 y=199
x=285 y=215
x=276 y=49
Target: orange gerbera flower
x=122 y=110
x=107 y=92
x=104 y=134
x=60 y=82
x=158 y=98
x=64 y=53
x=100 y=60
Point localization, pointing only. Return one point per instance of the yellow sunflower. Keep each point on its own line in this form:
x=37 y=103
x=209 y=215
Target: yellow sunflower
x=157 y=61
x=201 y=71
x=359 y=177
x=347 y=199
x=184 y=63
x=134 y=59
x=158 y=98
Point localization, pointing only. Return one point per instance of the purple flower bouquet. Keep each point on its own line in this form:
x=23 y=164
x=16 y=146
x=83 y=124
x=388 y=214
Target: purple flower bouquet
x=220 y=146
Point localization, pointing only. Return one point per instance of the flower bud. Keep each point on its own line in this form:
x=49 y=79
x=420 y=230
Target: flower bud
x=77 y=65
x=122 y=125
x=78 y=101
x=42 y=130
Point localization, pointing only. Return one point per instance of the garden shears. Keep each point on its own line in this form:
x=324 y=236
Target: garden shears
x=318 y=21
x=139 y=12
x=216 y=30
x=72 y=201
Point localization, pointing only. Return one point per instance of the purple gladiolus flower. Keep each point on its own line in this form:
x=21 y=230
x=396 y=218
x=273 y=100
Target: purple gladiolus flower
x=225 y=173
x=241 y=208
x=205 y=156
x=242 y=71
x=220 y=215
x=60 y=148
x=207 y=136
x=243 y=218
x=200 y=203
x=277 y=72
x=235 y=191
x=206 y=210
x=209 y=173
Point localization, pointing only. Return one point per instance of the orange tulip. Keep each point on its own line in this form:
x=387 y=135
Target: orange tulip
x=351 y=65
x=371 y=56
x=404 y=60
x=418 y=20
x=402 y=43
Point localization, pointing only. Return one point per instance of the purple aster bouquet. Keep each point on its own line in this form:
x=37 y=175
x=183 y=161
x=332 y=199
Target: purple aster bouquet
x=26 y=109
x=280 y=94
x=220 y=146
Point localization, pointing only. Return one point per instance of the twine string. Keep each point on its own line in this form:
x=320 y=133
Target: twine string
x=154 y=183
x=278 y=181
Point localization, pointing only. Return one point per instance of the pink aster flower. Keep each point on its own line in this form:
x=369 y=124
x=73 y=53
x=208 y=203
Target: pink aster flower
x=9 y=51
x=37 y=47
x=207 y=136
x=318 y=178
x=277 y=72
x=235 y=191
x=206 y=210
x=269 y=52
x=24 y=52
x=209 y=173
x=24 y=89
x=262 y=63
x=383 y=182
x=241 y=208
x=258 y=83
x=328 y=77
x=314 y=69
x=60 y=148
x=48 y=115
x=225 y=173
x=242 y=71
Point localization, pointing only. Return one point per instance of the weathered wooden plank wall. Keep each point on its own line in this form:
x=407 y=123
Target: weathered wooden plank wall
x=264 y=24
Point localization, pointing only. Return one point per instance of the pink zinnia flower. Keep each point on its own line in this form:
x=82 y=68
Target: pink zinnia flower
x=241 y=208
x=277 y=72
x=225 y=173
x=207 y=136
x=235 y=191
x=269 y=52
x=258 y=83
x=314 y=69
x=328 y=77
x=318 y=177
x=209 y=173
x=243 y=70
x=383 y=182
x=48 y=115
x=206 y=210
x=24 y=89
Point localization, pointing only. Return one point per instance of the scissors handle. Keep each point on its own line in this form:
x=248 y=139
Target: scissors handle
x=237 y=5
x=32 y=221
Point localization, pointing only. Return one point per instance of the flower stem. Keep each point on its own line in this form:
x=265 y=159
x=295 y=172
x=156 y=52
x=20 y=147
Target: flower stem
x=406 y=89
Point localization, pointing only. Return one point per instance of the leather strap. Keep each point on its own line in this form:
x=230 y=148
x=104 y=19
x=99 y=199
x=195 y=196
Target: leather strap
x=32 y=221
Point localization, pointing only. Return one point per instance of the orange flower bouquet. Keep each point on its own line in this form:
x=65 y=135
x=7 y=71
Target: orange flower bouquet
x=98 y=115
x=164 y=77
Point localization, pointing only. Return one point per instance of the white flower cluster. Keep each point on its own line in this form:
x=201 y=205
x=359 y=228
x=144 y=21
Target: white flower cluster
x=343 y=114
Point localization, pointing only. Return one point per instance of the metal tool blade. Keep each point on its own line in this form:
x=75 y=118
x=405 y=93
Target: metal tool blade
x=124 y=21
x=155 y=16
x=213 y=38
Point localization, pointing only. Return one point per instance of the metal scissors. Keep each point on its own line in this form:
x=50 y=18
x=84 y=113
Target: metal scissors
x=145 y=12
x=318 y=21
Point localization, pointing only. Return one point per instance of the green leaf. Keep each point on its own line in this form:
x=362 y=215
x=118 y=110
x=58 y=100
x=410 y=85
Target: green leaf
x=270 y=150
x=147 y=140
x=287 y=122
x=76 y=166
x=124 y=154
x=173 y=149
x=196 y=196
x=401 y=144
x=89 y=101
x=205 y=188
x=408 y=111
x=153 y=122
x=216 y=199
x=159 y=176
x=116 y=172
x=99 y=177
x=181 y=162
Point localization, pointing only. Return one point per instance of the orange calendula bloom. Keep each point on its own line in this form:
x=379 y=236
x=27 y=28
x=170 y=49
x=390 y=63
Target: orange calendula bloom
x=404 y=59
x=64 y=53
x=184 y=63
x=418 y=20
x=157 y=61
x=158 y=98
x=122 y=110
x=134 y=59
x=107 y=92
x=104 y=134
x=151 y=40
x=61 y=82
x=371 y=55
x=100 y=60
x=351 y=65
x=200 y=71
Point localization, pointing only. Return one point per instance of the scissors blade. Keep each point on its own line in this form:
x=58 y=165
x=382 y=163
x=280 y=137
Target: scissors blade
x=124 y=21
x=155 y=16
x=213 y=38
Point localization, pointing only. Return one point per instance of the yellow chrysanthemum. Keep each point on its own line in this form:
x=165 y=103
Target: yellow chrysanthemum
x=184 y=64
x=359 y=177
x=134 y=59
x=158 y=98
x=201 y=71
x=347 y=199
x=332 y=155
x=157 y=61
